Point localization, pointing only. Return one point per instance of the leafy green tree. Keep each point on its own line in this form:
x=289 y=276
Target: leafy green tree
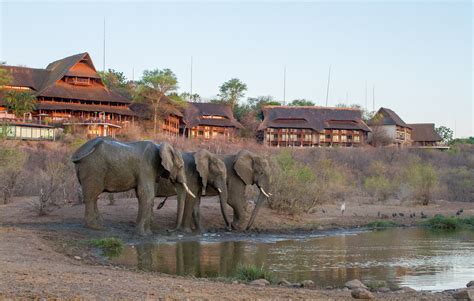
x=301 y=103
x=445 y=133
x=20 y=102
x=116 y=81
x=153 y=86
x=5 y=77
x=232 y=91
x=192 y=98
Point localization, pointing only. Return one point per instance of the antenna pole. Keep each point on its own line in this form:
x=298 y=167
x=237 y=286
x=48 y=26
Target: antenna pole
x=327 y=89
x=103 y=59
x=133 y=74
x=284 y=85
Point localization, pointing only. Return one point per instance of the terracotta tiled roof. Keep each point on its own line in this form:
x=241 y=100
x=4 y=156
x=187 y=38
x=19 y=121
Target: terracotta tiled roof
x=312 y=117
x=424 y=132
x=195 y=115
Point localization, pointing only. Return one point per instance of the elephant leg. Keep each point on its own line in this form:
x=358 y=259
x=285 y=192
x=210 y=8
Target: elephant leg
x=239 y=213
x=92 y=216
x=188 y=215
x=145 y=193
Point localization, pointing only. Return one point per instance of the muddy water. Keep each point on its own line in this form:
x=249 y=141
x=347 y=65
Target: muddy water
x=419 y=258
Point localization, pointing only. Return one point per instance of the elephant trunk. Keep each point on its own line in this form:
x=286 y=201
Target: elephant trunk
x=259 y=203
x=223 y=202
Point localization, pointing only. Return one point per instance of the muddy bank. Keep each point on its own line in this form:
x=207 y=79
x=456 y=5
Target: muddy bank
x=51 y=256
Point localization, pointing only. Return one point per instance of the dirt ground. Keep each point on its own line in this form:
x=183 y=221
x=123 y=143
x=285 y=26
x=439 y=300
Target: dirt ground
x=44 y=257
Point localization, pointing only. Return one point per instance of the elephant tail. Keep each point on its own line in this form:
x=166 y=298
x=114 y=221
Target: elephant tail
x=86 y=149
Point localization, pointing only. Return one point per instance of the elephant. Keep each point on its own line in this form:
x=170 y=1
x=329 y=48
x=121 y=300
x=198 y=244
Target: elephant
x=244 y=168
x=105 y=165
x=206 y=175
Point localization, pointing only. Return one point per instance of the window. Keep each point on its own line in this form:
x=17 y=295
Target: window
x=335 y=131
x=335 y=138
x=356 y=138
x=322 y=138
x=343 y=132
x=343 y=138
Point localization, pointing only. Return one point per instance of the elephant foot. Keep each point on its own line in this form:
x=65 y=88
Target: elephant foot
x=94 y=226
x=236 y=226
x=143 y=232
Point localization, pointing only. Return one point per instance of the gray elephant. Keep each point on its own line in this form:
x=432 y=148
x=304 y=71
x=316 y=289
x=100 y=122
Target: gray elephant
x=104 y=165
x=206 y=174
x=244 y=168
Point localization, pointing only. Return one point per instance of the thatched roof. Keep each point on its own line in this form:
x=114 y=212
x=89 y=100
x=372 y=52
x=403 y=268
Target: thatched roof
x=389 y=117
x=48 y=82
x=197 y=114
x=312 y=117
x=424 y=132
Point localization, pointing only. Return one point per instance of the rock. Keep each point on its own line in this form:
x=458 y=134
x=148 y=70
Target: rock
x=307 y=283
x=383 y=290
x=235 y=282
x=260 y=282
x=355 y=283
x=407 y=289
x=320 y=228
x=470 y=283
x=284 y=282
x=77 y=257
x=361 y=293
x=296 y=284
x=464 y=294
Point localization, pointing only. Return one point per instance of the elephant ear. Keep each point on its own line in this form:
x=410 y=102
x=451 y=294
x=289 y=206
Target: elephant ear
x=201 y=158
x=171 y=160
x=243 y=166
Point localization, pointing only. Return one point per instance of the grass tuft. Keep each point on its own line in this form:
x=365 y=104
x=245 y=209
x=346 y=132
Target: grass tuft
x=381 y=224
x=251 y=272
x=111 y=246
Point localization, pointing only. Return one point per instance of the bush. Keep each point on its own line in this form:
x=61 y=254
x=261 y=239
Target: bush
x=378 y=184
x=450 y=222
x=251 y=272
x=12 y=161
x=111 y=246
x=380 y=224
x=423 y=178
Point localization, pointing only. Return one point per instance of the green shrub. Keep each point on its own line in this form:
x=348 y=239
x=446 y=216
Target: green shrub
x=423 y=178
x=111 y=246
x=381 y=224
x=251 y=272
x=449 y=222
x=375 y=284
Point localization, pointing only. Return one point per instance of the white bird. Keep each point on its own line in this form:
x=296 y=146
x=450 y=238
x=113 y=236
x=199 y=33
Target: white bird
x=343 y=207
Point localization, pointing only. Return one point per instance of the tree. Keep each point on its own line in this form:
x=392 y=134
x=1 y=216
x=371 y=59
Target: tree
x=301 y=103
x=20 y=102
x=153 y=86
x=116 y=81
x=192 y=98
x=379 y=136
x=5 y=77
x=445 y=133
x=232 y=91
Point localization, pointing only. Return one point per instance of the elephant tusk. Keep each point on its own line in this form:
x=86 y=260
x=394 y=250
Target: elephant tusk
x=264 y=193
x=188 y=191
x=220 y=190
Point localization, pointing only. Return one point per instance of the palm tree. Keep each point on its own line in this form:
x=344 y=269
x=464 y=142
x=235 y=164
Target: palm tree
x=154 y=85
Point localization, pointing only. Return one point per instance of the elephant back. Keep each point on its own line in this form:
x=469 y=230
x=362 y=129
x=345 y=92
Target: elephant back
x=86 y=149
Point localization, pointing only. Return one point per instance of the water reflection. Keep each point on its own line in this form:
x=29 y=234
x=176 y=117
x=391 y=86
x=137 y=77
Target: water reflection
x=419 y=258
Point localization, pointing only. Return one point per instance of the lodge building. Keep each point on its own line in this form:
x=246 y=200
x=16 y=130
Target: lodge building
x=70 y=91
x=424 y=135
x=311 y=126
x=209 y=121
x=387 y=122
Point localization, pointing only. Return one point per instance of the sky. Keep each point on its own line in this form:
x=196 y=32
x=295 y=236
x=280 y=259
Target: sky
x=413 y=57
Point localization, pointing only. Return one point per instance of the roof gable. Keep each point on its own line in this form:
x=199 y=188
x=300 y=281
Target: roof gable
x=195 y=114
x=388 y=117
